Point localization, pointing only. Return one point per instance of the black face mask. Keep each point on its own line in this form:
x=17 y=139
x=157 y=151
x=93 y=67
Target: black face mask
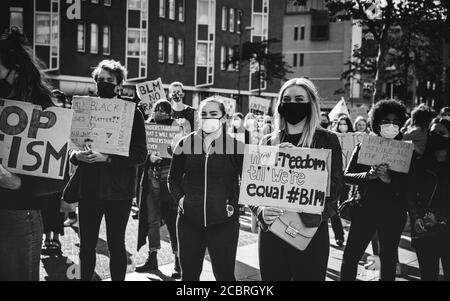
x=106 y=90
x=294 y=113
x=161 y=118
x=438 y=142
x=5 y=87
x=324 y=125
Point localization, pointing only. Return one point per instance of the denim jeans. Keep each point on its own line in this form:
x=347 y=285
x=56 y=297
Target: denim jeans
x=20 y=245
x=160 y=206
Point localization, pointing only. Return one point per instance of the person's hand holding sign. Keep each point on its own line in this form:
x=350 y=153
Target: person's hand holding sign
x=383 y=173
x=419 y=226
x=270 y=214
x=89 y=156
x=9 y=180
x=155 y=158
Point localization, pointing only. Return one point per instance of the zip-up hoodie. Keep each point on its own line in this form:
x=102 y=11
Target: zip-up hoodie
x=208 y=181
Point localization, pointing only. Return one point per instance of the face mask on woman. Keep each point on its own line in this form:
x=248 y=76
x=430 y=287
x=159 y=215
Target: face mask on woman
x=389 y=131
x=106 y=90
x=343 y=128
x=294 y=113
x=438 y=142
x=211 y=125
x=5 y=87
x=236 y=124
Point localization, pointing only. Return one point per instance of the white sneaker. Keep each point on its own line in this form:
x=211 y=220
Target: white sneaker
x=373 y=263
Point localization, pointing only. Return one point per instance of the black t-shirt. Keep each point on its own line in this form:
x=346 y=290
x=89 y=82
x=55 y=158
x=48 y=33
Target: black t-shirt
x=294 y=139
x=188 y=113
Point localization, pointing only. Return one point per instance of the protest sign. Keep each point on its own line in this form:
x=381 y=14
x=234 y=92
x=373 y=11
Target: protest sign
x=295 y=179
x=338 y=110
x=258 y=105
x=348 y=143
x=33 y=141
x=378 y=150
x=103 y=124
x=161 y=137
x=149 y=93
x=355 y=112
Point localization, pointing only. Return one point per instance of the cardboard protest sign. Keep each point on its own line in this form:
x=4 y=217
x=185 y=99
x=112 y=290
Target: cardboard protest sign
x=378 y=150
x=161 y=137
x=103 y=124
x=259 y=105
x=293 y=179
x=149 y=93
x=355 y=112
x=348 y=143
x=33 y=141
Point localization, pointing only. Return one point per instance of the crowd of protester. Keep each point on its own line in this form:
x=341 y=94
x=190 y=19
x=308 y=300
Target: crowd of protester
x=196 y=194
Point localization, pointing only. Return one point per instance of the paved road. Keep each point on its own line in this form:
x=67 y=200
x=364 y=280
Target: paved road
x=247 y=266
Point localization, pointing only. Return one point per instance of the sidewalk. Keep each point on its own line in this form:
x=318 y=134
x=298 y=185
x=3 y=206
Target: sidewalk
x=247 y=265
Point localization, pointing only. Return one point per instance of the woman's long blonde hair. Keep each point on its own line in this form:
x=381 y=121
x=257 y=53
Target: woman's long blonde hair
x=312 y=122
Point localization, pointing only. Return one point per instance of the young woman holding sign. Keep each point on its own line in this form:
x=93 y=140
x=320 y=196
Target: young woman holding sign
x=108 y=184
x=297 y=124
x=157 y=204
x=21 y=203
x=382 y=205
x=204 y=180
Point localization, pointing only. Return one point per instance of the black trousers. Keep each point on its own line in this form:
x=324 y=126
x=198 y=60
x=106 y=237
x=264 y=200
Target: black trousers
x=221 y=241
x=52 y=218
x=116 y=214
x=430 y=250
x=337 y=227
x=279 y=261
x=389 y=222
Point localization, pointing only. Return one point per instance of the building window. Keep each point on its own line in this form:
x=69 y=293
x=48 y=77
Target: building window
x=232 y=20
x=205 y=32
x=81 y=37
x=137 y=41
x=302 y=59
x=202 y=54
x=302 y=33
x=16 y=17
x=42 y=29
x=107 y=2
x=172 y=9
x=161 y=46
x=162 y=8
x=46 y=35
x=94 y=1
x=171 y=51
x=224 y=18
x=231 y=66
x=181 y=10
x=223 y=58
x=106 y=40
x=180 y=52
x=94 y=38
x=294 y=60
x=295 y=33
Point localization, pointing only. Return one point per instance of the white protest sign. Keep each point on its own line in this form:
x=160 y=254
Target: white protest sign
x=295 y=179
x=259 y=105
x=103 y=124
x=161 y=137
x=355 y=112
x=32 y=141
x=149 y=93
x=378 y=150
x=348 y=143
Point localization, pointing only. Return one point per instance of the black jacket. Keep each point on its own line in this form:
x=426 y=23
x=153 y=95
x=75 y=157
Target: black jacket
x=375 y=193
x=116 y=180
x=208 y=182
x=323 y=139
x=428 y=192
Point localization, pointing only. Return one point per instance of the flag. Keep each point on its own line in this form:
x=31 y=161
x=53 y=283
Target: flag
x=338 y=110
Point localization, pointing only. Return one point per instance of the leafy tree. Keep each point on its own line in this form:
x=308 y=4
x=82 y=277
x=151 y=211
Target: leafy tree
x=418 y=20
